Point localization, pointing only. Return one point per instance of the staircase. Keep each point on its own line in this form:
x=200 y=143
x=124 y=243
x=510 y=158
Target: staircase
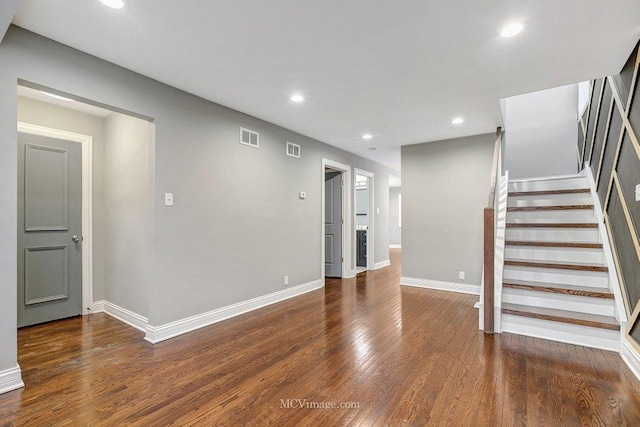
x=556 y=281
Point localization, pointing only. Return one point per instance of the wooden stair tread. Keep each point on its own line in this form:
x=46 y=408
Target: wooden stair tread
x=557 y=265
x=549 y=192
x=583 y=319
x=585 y=245
x=552 y=225
x=583 y=291
x=548 y=208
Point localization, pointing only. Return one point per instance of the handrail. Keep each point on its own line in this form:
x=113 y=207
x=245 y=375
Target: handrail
x=494 y=169
x=489 y=241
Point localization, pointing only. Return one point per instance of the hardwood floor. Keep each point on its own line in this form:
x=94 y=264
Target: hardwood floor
x=395 y=355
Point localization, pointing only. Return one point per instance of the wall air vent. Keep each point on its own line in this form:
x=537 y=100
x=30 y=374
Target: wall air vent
x=249 y=137
x=293 y=150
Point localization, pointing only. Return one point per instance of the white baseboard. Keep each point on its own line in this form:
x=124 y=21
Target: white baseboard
x=382 y=264
x=122 y=314
x=395 y=246
x=631 y=358
x=11 y=379
x=156 y=334
x=441 y=286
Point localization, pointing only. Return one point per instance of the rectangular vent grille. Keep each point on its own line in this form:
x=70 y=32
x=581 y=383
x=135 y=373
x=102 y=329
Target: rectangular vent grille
x=249 y=137
x=293 y=150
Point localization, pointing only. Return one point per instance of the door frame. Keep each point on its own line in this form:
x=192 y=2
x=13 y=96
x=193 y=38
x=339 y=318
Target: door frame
x=86 y=142
x=370 y=218
x=347 y=215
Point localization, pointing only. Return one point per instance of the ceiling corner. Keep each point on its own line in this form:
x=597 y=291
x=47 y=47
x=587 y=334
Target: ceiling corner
x=8 y=9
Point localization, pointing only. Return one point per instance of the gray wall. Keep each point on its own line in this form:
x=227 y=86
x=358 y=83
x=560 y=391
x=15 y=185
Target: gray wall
x=541 y=133
x=395 y=232
x=445 y=185
x=52 y=116
x=128 y=205
x=237 y=227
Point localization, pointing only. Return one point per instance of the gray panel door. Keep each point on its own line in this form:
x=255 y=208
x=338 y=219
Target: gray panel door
x=49 y=216
x=333 y=225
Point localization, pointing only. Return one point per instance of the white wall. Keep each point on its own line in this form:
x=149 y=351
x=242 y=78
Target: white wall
x=128 y=204
x=541 y=133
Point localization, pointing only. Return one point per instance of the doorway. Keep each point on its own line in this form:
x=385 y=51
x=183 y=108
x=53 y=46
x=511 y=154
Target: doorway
x=64 y=146
x=51 y=219
x=336 y=220
x=364 y=221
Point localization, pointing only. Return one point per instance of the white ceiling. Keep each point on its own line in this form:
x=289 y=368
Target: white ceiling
x=400 y=70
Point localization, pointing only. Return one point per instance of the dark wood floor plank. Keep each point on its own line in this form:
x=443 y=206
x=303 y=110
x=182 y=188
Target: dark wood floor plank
x=404 y=356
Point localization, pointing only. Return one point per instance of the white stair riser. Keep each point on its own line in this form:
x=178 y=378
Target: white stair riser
x=554 y=234
x=569 y=255
x=601 y=306
x=564 y=332
x=573 y=215
x=561 y=277
x=551 y=200
x=550 y=184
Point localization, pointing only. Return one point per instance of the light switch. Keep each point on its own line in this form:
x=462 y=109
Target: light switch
x=168 y=199
x=302 y=195
x=377 y=210
x=638 y=193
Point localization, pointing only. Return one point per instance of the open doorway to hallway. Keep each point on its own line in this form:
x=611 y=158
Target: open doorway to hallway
x=364 y=221
x=85 y=206
x=336 y=220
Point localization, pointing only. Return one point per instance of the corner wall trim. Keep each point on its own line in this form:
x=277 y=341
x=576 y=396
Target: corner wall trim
x=382 y=264
x=631 y=358
x=156 y=334
x=391 y=246
x=441 y=286
x=11 y=379
x=122 y=314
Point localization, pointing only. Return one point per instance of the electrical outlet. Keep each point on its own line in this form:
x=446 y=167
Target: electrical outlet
x=638 y=193
x=461 y=275
x=286 y=280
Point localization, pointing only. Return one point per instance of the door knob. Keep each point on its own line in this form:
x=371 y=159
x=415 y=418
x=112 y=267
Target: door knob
x=76 y=238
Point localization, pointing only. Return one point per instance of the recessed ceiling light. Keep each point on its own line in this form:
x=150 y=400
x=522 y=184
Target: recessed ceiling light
x=367 y=136
x=512 y=29
x=114 y=4
x=457 y=121
x=62 y=98
x=297 y=98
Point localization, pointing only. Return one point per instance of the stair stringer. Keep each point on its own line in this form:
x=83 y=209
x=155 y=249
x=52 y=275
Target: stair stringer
x=614 y=283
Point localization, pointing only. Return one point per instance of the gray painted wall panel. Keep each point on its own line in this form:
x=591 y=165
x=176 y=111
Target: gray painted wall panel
x=445 y=186
x=625 y=250
x=628 y=170
x=609 y=155
x=603 y=119
x=591 y=125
